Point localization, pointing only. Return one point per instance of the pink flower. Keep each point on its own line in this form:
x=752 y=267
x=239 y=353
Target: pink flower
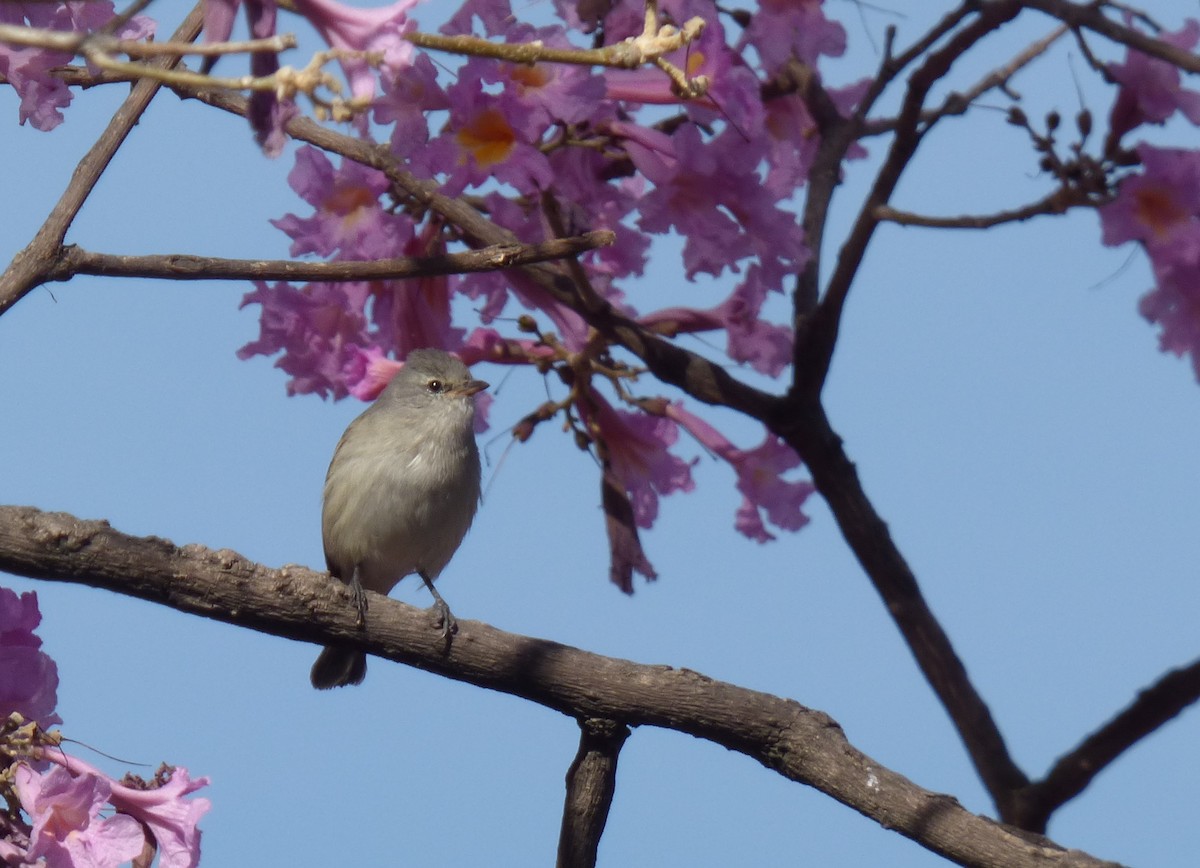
x=495 y=15
x=488 y=137
x=368 y=371
x=765 y=346
x=488 y=345
x=1159 y=207
x=378 y=30
x=588 y=200
x=549 y=93
x=783 y=29
x=414 y=313
x=1150 y=88
x=28 y=70
x=793 y=141
x=626 y=555
x=28 y=676
x=637 y=447
x=349 y=222
x=409 y=93
x=1175 y=308
x=344 y=27
x=495 y=288
x=710 y=192
x=318 y=327
x=759 y=478
x=267 y=115
x=157 y=805
x=68 y=831
x=171 y=819
x=1174 y=303
x=733 y=90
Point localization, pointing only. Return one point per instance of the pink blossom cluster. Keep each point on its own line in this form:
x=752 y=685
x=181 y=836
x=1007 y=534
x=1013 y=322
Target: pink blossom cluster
x=546 y=147
x=721 y=176
x=28 y=675
x=1159 y=206
x=29 y=70
x=62 y=798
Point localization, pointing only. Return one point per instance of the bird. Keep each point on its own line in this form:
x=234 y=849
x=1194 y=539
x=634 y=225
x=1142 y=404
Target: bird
x=401 y=493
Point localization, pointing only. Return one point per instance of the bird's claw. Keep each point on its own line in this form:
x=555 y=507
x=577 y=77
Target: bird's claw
x=446 y=621
x=360 y=603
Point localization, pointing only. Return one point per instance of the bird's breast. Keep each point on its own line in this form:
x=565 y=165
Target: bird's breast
x=392 y=512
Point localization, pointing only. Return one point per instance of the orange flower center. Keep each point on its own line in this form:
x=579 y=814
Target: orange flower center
x=1157 y=209
x=530 y=76
x=488 y=138
x=348 y=198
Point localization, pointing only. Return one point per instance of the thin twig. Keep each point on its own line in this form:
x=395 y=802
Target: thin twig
x=817 y=334
x=75 y=42
x=649 y=47
x=75 y=260
x=957 y=103
x=286 y=82
x=1058 y=202
x=1091 y=16
x=28 y=267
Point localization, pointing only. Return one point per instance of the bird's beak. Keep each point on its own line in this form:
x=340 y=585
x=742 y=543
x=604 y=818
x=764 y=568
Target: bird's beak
x=471 y=387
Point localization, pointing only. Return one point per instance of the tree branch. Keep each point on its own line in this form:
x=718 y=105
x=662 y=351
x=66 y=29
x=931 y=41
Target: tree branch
x=591 y=782
x=835 y=476
x=957 y=103
x=699 y=377
x=73 y=260
x=27 y=268
x=817 y=335
x=1057 y=202
x=1152 y=708
x=709 y=382
x=825 y=175
x=801 y=744
x=1090 y=16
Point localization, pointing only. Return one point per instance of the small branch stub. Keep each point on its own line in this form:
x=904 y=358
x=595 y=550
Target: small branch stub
x=591 y=783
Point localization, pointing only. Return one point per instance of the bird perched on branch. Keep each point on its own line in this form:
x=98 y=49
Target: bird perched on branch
x=400 y=493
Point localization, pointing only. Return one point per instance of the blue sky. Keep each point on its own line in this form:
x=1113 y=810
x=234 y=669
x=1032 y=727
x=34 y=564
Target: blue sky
x=1010 y=415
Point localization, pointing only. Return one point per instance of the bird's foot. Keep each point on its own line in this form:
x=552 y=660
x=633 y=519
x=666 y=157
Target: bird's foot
x=445 y=621
x=360 y=602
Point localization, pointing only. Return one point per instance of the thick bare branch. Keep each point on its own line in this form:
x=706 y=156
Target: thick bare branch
x=811 y=435
x=591 y=782
x=801 y=744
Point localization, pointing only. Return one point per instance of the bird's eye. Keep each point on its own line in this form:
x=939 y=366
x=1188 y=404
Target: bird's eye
x=436 y=386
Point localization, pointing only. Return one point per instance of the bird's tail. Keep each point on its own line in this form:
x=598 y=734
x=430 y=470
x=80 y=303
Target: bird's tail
x=338 y=667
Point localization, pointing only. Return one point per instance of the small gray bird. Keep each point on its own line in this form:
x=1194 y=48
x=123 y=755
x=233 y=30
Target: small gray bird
x=401 y=492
